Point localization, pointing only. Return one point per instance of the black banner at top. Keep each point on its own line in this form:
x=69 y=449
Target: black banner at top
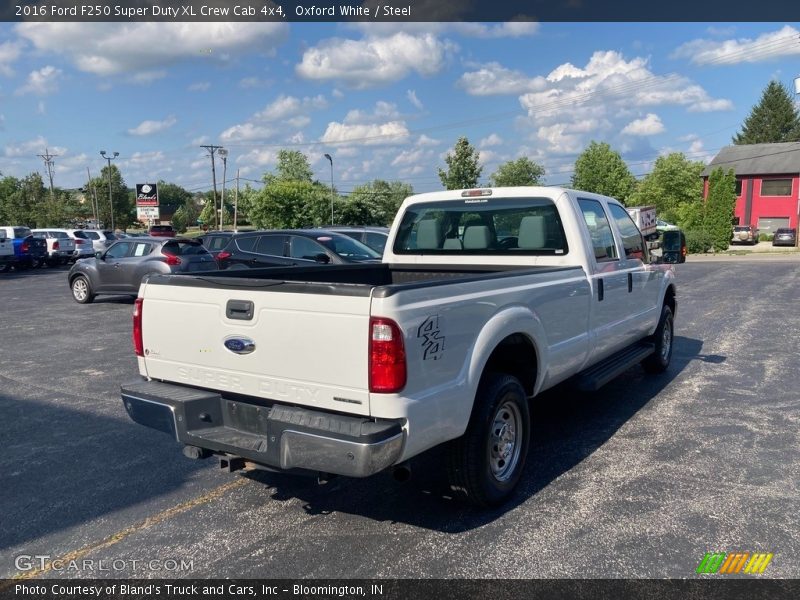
x=146 y=194
x=398 y=10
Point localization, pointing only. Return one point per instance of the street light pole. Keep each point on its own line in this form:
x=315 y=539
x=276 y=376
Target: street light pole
x=328 y=156
x=110 y=198
x=224 y=154
x=797 y=223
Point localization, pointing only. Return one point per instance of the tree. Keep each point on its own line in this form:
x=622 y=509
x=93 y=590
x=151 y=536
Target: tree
x=774 y=119
x=522 y=171
x=373 y=203
x=673 y=187
x=463 y=168
x=288 y=204
x=719 y=207
x=124 y=206
x=601 y=170
x=292 y=166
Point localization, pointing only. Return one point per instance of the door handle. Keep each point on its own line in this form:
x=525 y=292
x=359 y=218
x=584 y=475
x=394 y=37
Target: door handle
x=630 y=282
x=600 y=290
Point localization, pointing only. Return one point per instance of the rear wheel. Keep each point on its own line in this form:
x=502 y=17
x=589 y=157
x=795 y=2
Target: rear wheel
x=486 y=463
x=659 y=360
x=82 y=290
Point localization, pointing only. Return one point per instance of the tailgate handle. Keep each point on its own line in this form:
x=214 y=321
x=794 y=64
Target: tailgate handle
x=239 y=309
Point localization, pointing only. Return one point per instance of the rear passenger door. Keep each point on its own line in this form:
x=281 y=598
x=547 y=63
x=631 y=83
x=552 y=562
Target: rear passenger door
x=609 y=314
x=644 y=281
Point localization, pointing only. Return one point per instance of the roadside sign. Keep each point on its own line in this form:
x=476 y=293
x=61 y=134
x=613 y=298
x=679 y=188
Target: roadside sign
x=145 y=213
x=146 y=194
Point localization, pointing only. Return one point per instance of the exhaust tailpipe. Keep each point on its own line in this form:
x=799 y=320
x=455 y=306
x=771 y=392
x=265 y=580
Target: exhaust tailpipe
x=402 y=472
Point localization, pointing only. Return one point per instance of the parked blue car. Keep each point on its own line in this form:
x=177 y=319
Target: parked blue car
x=29 y=252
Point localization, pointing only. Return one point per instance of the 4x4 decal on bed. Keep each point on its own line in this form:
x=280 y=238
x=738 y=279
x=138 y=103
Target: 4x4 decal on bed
x=433 y=340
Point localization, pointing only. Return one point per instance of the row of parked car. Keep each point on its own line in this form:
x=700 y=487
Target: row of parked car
x=26 y=248
x=748 y=234
x=119 y=269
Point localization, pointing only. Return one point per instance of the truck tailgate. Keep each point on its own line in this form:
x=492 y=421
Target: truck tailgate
x=307 y=349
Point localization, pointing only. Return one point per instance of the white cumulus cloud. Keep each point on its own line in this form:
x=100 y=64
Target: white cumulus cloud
x=373 y=61
x=649 y=125
x=775 y=44
x=9 y=52
x=494 y=79
x=151 y=127
x=392 y=132
x=115 y=48
x=41 y=82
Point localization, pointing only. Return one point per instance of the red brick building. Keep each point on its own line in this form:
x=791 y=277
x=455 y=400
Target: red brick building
x=767 y=183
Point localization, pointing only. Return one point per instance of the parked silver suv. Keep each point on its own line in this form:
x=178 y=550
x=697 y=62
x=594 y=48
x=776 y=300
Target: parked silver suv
x=101 y=239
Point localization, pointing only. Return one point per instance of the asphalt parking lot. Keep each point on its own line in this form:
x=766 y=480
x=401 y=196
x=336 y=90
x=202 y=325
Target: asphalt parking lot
x=638 y=480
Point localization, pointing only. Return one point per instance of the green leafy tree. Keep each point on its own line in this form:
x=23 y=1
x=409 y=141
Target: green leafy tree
x=123 y=198
x=774 y=119
x=292 y=166
x=673 y=186
x=373 y=203
x=522 y=171
x=284 y=204
x=601 y=170
x=463 y=168
x=719 y=208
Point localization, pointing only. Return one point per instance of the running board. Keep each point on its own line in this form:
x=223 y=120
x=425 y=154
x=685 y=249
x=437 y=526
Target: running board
x=596 y=376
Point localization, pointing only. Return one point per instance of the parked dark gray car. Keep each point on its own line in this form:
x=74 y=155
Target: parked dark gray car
x=120 y=268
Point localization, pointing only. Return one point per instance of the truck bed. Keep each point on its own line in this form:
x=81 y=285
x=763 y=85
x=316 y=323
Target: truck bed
x=379 y=280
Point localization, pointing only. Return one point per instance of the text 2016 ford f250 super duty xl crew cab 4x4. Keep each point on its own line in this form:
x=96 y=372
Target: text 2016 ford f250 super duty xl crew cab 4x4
x=485 y=298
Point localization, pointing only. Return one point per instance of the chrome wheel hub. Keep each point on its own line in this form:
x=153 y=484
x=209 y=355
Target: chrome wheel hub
x=505 y=441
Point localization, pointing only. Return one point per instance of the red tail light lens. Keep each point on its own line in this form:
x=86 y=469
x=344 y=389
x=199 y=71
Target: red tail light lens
x=387 y=356
x=138 y=344
x=55 y=245
x=25 y=247
x=172 y=260
x=223 y=255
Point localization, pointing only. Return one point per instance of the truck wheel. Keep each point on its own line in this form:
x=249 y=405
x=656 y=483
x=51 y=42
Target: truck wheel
x=658 y=361
x=81 y=290
x=486 y=463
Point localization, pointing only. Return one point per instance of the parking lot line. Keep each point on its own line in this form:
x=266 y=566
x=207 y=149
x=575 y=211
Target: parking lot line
x=123 y=533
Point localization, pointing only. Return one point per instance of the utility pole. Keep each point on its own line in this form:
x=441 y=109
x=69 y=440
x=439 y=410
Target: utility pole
x=93 y=199
x=48 y=163
x=328 y=156
x=224 y=154
x=236 y=204
x=211 y=150
x=110 y=197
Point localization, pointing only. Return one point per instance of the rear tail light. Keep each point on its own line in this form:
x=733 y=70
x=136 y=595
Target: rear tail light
x=223 y=255
x=172 y=260
x=387 y=356
x=55 y=245
x=138 y=344
x=25 y=247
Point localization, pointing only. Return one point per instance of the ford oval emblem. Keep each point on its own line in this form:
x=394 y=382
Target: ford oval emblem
x=240 y=345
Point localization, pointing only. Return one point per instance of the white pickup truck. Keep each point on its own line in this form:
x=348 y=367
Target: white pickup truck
x=485 y=298
x=6 y=251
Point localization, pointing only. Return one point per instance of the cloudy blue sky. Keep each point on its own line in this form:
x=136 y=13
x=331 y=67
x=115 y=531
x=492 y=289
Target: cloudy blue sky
x=385 y=100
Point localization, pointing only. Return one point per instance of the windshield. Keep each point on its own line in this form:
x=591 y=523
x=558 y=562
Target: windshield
x=347 y=247
x=482 y=226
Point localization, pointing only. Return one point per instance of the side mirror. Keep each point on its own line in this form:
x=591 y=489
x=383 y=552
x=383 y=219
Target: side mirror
x=322 y=258
x=99 y=254
x=674 y=247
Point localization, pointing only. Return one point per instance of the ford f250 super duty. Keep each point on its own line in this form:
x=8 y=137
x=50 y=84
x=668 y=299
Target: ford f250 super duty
x=485 y=298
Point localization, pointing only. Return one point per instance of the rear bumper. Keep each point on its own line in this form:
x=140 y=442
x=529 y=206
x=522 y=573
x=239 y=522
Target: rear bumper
x=277 y=436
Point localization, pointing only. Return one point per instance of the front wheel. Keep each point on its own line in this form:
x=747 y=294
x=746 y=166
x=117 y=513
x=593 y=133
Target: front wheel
x=81 y=290
x=659 y=360
x=486 y=463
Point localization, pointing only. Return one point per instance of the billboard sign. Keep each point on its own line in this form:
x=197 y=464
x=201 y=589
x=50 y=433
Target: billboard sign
x=146 y=194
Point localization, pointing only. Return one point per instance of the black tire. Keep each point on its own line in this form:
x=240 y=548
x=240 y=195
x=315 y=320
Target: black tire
x=663 y=338
x=81 y=290
x=479 y=471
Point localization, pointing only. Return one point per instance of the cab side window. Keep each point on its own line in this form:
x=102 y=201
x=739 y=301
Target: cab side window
x=605 y=249
x=632 y=240
x=119 y=250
